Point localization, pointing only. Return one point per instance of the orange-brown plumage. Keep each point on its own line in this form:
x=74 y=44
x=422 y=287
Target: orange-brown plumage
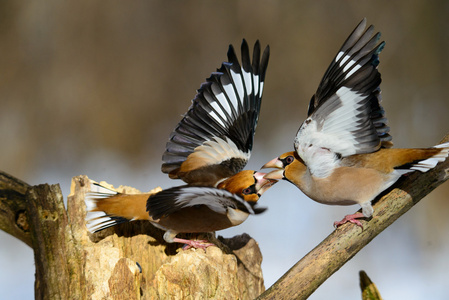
x=386 y=160
x=207 y=150
x=238 y=182
x=129 y=206
x=358 y=179
x=248 y=184
x=343 y=152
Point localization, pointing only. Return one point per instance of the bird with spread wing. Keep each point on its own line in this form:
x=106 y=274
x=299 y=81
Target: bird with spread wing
x=343 y=153
x=208 y=150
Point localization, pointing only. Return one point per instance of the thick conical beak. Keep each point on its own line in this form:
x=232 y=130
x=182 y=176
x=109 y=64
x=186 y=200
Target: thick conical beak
x=274 y=163
x=263 y=183
x=276 y=174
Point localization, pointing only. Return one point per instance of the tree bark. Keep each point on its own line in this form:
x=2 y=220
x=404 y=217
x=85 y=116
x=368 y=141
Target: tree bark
x=13 y=209
x=343 y=243
x=127 y=261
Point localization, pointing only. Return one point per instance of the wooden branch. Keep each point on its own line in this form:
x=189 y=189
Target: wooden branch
x=13 y=208
x=128 y=261
x=343 y=243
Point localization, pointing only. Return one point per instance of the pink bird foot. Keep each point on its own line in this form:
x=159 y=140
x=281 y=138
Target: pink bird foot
x=199 y=244
x=350 y=218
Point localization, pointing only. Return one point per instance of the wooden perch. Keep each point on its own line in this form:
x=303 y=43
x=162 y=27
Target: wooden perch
x=128 y=261
x=343 y=243
x=13 y=209
x=132 y=259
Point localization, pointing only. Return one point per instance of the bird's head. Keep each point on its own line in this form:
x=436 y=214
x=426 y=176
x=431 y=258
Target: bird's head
x=248 y=184
x=289 y=167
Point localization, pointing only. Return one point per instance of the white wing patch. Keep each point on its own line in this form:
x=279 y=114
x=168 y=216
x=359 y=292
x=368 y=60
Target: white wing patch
x=318 y=144
x=344 y=119
x=339 y=56
x=339 y=123
x=219 y=110
x=238 y=85
x=217 y=150
x=256 y=84
x=216 y=199
x=222 y=99
x=248 y=84
x=348 y=65
x=215 y=117
x=231 y=93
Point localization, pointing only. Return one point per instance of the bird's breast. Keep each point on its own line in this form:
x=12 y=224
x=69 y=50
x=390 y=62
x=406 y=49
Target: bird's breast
x=345 y=186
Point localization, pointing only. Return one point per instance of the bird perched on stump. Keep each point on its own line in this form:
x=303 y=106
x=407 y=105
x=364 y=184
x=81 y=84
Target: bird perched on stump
x=208 y=150
x=343 y=153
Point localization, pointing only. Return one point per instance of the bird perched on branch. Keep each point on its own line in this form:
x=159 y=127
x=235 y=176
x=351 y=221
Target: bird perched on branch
x=343 y=152
x=208 y=150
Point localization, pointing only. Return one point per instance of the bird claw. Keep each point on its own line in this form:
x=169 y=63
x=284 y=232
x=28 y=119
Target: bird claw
x=199 y=244
x=350 y=218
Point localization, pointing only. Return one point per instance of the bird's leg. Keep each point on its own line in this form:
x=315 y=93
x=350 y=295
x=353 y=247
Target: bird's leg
x=201 y=244
x=350 y=218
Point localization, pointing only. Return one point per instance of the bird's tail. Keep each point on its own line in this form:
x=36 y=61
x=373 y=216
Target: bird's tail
x=422 y=159
x=430 y=163
x=106 y=207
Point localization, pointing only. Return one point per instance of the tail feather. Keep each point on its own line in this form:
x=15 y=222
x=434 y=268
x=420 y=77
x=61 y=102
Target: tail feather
x=96 y=219
x=99 y=220
x=431 y=162
x=106 y=207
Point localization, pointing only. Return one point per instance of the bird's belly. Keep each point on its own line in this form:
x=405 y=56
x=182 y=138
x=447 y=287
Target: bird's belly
x=197 y=219
x=346 y=186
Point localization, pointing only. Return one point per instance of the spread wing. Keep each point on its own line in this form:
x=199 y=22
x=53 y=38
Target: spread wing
x=345 y=116
x=215 y=137
x=175 y=199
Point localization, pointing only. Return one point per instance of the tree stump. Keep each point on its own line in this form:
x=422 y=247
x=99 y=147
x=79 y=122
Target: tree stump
x=127 y=261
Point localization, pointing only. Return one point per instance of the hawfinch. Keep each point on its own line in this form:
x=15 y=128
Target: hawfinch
x=208 y=150
x=343 y=152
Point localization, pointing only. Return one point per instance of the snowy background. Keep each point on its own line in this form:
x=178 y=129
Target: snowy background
x=95 y=88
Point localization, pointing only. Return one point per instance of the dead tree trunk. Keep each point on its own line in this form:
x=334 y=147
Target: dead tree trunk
x=128 y=261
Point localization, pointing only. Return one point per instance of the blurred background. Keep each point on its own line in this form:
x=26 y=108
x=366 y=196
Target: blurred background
x=96 y=87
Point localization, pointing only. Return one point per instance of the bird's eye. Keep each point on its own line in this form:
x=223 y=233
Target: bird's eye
x=289 y=159
x=247 y=191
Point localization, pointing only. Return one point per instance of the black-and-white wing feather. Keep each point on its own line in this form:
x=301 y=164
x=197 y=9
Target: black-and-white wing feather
x=216 y=134
x=345 y=116
x=175 y=199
